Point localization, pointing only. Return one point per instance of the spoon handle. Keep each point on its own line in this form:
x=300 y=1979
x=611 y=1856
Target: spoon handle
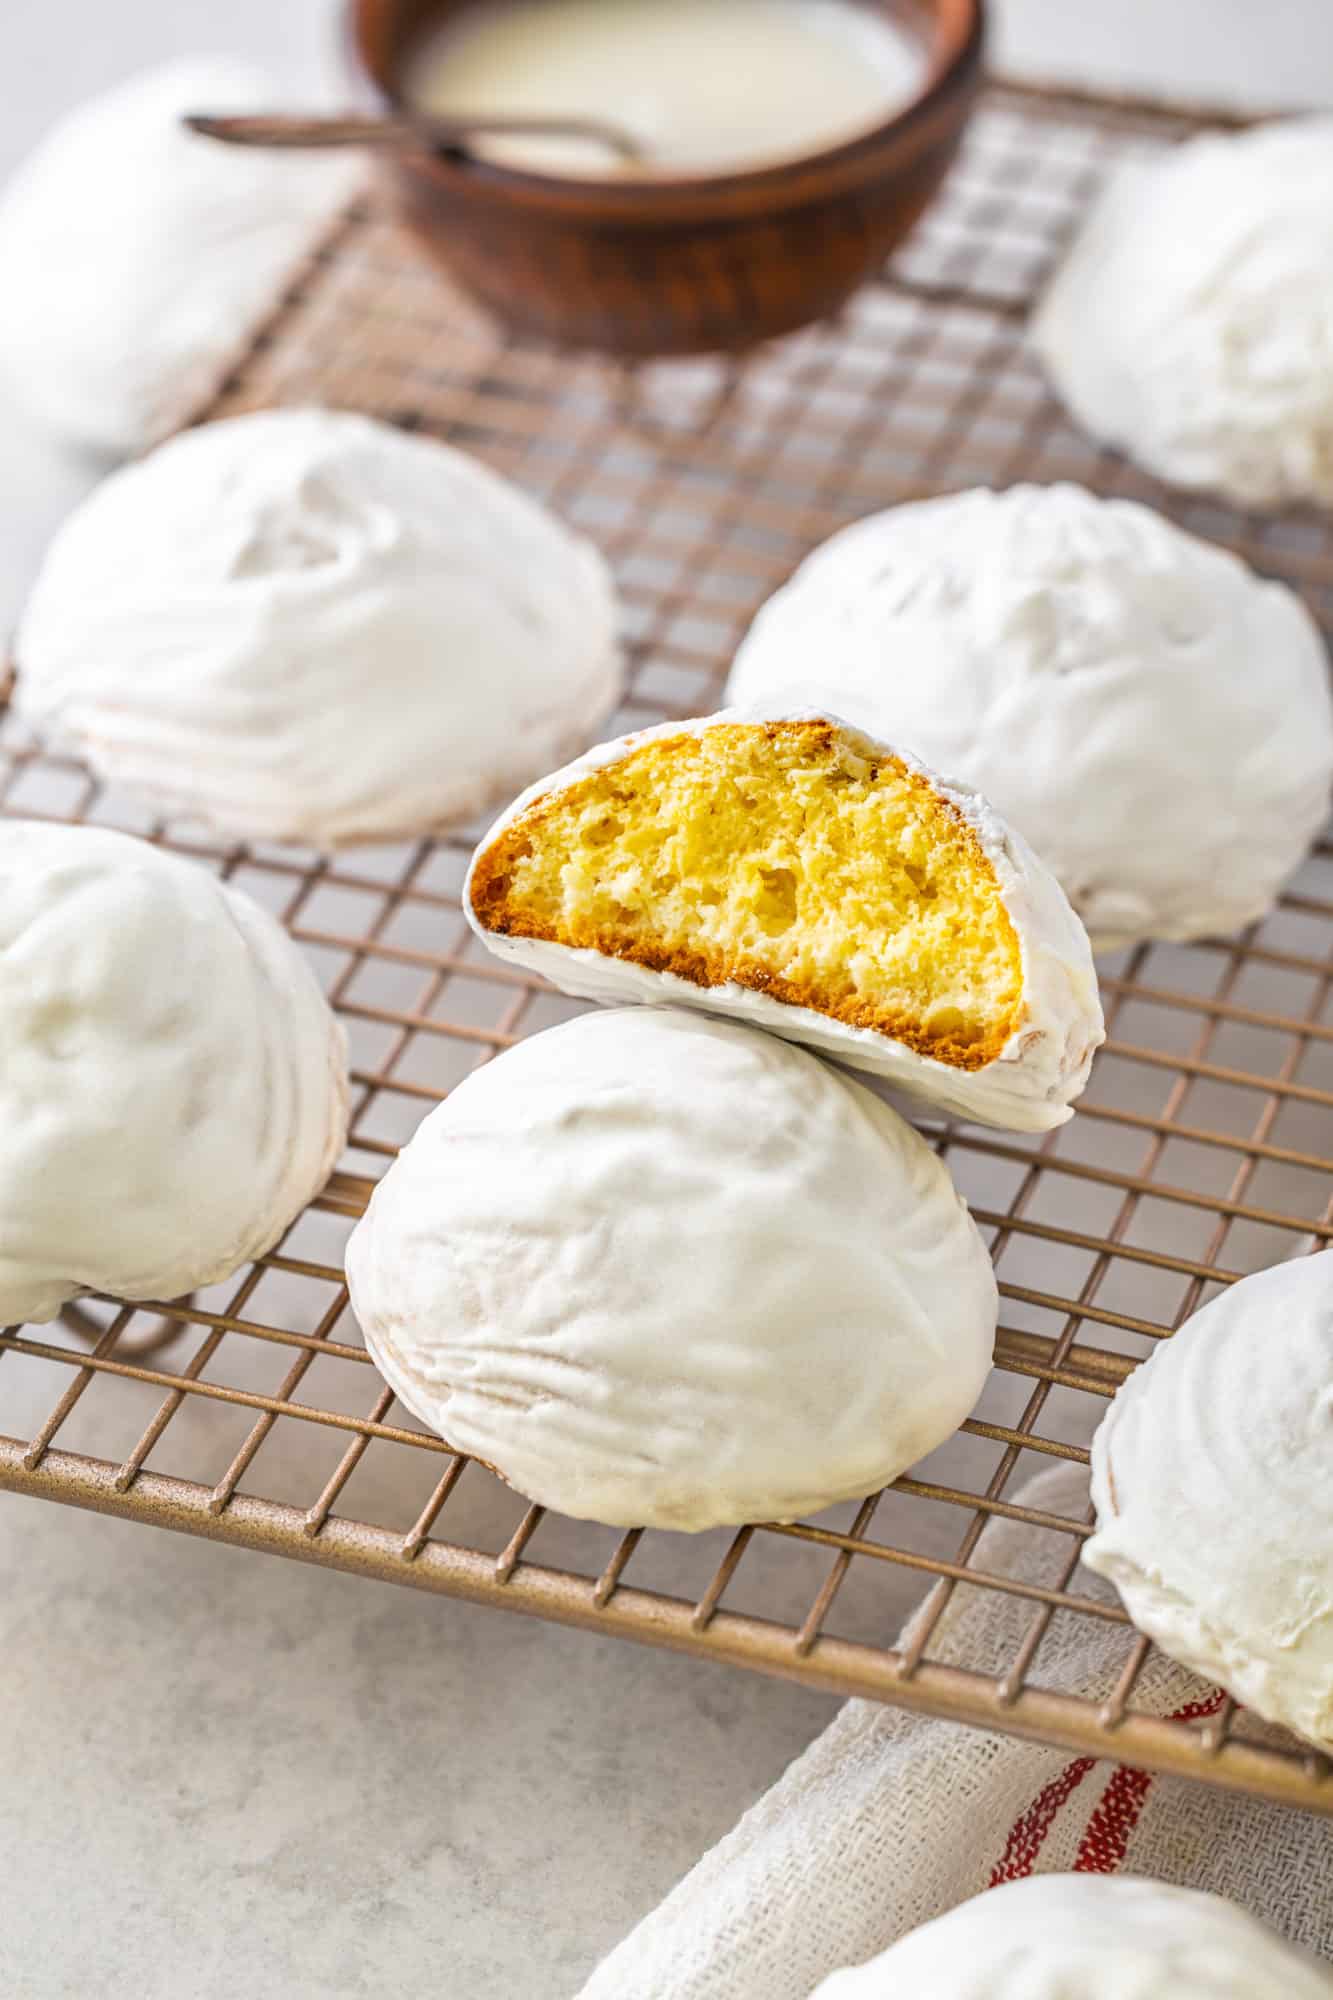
x=288 y=130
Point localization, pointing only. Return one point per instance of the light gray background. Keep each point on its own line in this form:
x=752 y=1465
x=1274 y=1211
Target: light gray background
x=221 y=1774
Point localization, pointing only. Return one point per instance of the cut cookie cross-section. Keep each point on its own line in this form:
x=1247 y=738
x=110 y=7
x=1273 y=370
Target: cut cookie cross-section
x=796 y=873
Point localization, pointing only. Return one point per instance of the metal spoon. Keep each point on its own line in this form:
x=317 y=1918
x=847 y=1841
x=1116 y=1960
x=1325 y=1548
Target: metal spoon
x=405 y=129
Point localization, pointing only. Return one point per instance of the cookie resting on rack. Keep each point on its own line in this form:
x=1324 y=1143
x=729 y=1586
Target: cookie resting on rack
x=664 y=1271
x=1088 y=1937
x=174 y=1086
x=1191 y=321
x=305 y=625
x=1212 y=1475
x=1148 y=712
x=786 y=869
x=139 y=257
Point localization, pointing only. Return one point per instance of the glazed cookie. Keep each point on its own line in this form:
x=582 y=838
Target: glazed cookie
x=795 y=873
x=1100 y=1937
x=661 y=1270
x=306 y=625
x=174 y=1086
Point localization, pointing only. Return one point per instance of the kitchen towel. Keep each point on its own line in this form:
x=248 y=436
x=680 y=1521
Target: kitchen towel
x=889 y=1819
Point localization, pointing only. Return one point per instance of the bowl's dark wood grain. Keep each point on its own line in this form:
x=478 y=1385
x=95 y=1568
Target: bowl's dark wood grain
x=678 y=266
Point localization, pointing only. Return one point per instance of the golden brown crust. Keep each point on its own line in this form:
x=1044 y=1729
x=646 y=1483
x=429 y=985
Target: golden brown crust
x=714 y=966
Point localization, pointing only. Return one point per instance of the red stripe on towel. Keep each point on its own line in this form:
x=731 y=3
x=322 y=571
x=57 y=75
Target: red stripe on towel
x=1106 y=1837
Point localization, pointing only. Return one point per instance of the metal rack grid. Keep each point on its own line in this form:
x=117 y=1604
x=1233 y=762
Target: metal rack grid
x=1201 y=1151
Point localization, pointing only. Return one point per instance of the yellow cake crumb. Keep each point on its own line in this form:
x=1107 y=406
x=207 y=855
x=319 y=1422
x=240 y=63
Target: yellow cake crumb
x=780 y=856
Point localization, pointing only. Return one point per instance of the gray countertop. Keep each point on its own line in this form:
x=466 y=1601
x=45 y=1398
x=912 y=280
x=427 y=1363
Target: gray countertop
x=224 y=1774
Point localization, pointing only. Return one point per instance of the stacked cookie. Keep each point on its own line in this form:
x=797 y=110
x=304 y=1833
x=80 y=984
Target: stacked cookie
x=662 y=1268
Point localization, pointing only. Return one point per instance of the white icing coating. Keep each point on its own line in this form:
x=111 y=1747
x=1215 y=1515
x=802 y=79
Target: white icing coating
x=1150 y=714
x=307 y=625
x=1212 y=1476
x=1191 y=323
x=660 y=1270
x=136 y=257
x=1087 y=1937
x=1029 y=1087
x=173 y=1089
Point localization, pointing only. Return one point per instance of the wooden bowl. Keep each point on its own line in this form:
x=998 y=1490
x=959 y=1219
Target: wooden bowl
x=680 y=265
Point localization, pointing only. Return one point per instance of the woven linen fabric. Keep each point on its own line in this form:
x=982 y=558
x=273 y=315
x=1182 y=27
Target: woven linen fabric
x=889 y=1819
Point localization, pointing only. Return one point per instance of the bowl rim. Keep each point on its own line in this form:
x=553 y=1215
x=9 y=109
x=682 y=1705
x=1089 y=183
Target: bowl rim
x=953 y=59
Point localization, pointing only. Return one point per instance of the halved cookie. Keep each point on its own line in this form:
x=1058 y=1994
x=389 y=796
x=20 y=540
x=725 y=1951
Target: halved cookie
x=796 y=873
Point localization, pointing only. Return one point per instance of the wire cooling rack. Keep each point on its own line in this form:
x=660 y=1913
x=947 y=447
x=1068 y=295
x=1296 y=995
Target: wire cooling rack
x=1202 y=1150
